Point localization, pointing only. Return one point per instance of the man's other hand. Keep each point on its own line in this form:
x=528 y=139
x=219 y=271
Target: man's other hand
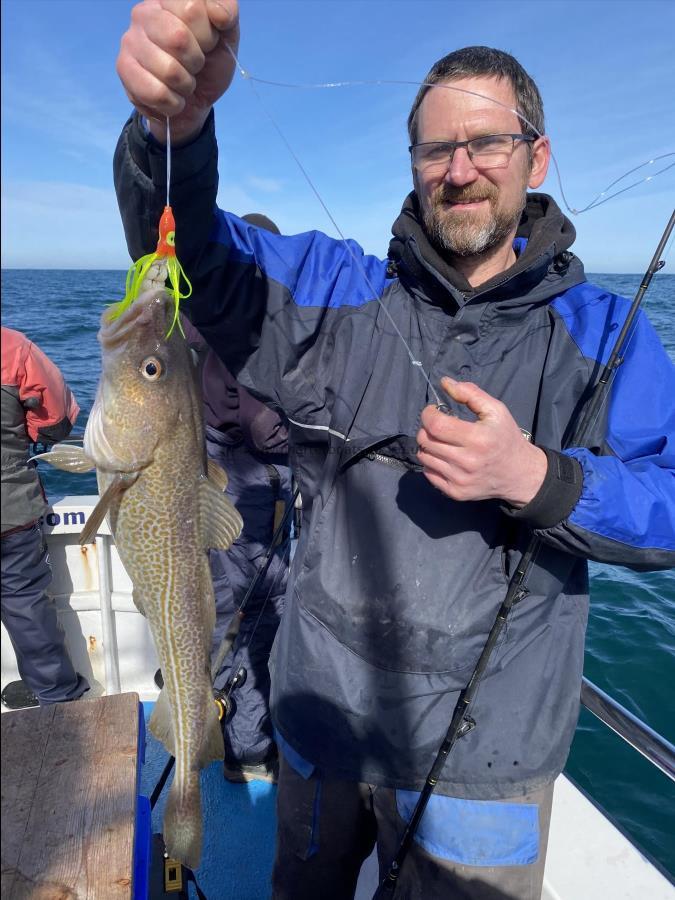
x=481 y=460
x=174 y=61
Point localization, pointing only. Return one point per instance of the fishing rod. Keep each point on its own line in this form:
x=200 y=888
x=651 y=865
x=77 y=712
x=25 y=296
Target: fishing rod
x=461 y=722
x=233 y=628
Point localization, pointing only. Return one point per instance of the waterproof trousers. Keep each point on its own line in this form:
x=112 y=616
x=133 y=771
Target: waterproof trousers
x=326 y=829
x=29 y=615
x=255 y=487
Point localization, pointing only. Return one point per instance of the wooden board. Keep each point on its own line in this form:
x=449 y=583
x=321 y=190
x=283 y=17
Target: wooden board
x=69 y=787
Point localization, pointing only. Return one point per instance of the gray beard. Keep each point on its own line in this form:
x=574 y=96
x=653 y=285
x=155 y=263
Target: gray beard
x=465 y=240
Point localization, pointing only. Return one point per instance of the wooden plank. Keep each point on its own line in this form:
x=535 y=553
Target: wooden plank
x=69 y=784
x=24 y=741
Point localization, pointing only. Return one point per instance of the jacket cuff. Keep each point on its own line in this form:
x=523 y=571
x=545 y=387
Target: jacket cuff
x=558 y=495
x=186 y=159
x=52 y=434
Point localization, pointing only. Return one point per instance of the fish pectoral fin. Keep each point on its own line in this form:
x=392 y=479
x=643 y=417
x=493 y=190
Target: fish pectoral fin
x=212 y=743
x=138 y=603
x=216 y=475
x=116 y=488
x=67 y=457
x=221 y=523
x=160 y=723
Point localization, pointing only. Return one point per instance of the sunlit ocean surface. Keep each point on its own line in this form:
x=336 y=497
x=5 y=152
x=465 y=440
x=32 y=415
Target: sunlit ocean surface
x=631 y=634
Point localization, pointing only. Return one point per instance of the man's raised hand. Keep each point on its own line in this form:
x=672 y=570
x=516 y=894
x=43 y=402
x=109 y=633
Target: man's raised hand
x=174 y=61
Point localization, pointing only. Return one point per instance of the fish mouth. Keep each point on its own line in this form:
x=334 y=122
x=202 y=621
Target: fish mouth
x=148 y=309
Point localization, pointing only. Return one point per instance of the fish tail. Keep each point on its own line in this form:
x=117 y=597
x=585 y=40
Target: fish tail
x=183 y=822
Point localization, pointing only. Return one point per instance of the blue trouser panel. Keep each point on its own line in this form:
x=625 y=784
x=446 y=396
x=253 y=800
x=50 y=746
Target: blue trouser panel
x=248 y=734
x=468 y=849
x=29 y=616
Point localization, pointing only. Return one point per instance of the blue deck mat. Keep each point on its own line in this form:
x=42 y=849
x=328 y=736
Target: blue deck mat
x=239 y=827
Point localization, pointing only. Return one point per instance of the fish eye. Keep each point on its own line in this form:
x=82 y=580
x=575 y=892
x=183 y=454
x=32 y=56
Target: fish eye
x=152 y=368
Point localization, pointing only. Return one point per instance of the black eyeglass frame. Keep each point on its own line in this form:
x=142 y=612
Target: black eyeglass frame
x=455 y=145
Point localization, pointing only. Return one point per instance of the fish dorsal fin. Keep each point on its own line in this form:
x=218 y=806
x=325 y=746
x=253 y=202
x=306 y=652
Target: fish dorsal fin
x=216 y=475
x=221 y=523
x=67 y=457
x=115 y=489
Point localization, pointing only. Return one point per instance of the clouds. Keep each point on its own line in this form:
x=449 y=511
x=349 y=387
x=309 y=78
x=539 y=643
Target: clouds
x=265 y=185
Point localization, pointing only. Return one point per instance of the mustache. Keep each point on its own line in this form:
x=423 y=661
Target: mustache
x=446 y=194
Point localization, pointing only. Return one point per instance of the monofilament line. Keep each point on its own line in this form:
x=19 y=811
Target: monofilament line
x=168 y=160
x=602 y=197
x=414 y=362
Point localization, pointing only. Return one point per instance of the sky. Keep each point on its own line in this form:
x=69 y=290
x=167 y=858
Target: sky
x=605 y=70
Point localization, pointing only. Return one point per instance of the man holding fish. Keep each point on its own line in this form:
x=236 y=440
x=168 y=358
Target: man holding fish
x=414 y=520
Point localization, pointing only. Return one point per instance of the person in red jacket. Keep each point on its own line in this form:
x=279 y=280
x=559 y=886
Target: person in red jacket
x=37 y=405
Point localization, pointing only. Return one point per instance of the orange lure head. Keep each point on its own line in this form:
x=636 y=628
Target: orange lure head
x=166 y=245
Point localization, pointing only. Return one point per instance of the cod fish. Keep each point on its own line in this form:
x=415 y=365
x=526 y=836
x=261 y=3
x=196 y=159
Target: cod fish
x=166 y=508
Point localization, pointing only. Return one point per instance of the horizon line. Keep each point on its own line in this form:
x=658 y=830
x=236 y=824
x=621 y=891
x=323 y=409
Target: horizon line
x=126 y=269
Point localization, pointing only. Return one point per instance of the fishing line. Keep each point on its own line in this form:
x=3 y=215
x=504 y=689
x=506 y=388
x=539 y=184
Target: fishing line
x=414 y=362
x=597 y=201
x=168 y=159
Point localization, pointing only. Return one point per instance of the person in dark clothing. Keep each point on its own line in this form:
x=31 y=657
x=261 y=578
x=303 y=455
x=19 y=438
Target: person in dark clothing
x=414 y=520
x=250 y=442
x=37 y=405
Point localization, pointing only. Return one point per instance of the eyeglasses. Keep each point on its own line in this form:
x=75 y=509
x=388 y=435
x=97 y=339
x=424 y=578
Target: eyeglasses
x=493 y=151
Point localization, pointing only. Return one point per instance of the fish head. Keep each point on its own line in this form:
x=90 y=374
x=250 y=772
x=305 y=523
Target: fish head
x=148 y=384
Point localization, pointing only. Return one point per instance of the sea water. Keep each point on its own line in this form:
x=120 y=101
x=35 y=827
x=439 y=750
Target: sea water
x=631 y=632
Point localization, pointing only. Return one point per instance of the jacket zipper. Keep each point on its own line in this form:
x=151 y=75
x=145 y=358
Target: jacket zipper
x=390 y=461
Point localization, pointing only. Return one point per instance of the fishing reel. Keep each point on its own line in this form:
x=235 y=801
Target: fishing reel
x=223 y=698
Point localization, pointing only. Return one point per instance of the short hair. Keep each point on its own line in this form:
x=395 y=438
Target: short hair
x=485 y=62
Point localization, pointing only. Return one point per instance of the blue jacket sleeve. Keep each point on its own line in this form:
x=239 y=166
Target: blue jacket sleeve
x=625 y=512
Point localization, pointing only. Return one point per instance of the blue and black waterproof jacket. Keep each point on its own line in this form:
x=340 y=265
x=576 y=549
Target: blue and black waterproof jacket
x=394 y=586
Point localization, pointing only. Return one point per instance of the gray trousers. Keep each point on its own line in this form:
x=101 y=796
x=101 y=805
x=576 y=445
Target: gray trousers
x=29 y=616
x=325 y=831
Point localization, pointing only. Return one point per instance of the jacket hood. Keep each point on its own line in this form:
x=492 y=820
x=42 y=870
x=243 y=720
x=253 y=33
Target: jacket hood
x=543 y=268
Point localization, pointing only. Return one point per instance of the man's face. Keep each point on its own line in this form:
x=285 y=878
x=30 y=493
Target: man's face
x=468 y=211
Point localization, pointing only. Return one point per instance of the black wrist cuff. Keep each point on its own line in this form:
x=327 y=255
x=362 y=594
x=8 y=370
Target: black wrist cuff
x=558 y=495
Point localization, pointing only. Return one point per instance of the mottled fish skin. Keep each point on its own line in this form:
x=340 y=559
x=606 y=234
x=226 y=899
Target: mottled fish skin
x=150 y=430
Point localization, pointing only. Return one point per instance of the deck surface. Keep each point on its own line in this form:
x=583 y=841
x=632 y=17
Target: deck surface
x=69 y=787
x=239 y=827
